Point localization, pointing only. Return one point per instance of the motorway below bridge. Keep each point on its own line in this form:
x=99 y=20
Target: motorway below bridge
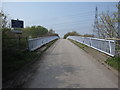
x=64 y=65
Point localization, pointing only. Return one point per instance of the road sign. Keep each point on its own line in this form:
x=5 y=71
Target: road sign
x=17 y=24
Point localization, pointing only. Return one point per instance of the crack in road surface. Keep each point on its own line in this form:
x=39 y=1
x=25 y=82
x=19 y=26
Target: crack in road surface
x=64 y=65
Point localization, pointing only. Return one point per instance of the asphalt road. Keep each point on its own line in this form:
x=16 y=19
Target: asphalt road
x=64 y=65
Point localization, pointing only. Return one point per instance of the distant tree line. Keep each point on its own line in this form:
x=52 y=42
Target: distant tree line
x=38 y=31
x=74 y=33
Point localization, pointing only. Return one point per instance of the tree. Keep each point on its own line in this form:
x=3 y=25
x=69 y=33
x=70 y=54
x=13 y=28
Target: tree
x=51 y=31
x=88 y=35
x=35 y=31
x=4 y=20
x=73 y=33
x=107 y=25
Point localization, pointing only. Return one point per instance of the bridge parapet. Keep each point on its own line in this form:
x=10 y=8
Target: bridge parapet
x=106 y=46
x=36 y=43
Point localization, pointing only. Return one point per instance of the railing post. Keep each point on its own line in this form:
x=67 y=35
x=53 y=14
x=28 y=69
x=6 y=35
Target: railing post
x=110 y=47
x=90 y=42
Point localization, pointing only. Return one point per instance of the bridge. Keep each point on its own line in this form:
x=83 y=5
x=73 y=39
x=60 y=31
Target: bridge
x=65 y=65
x=102 y=45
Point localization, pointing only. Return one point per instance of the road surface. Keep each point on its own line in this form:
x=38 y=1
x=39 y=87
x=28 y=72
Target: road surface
x=64 y=65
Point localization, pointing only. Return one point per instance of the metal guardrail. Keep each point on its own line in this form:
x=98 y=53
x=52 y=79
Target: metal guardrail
x=103 y=45
x=38 y=42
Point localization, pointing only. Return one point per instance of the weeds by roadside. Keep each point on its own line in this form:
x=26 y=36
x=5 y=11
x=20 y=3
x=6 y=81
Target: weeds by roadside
x=114 y=62
x=14 y=60
x=82 y=46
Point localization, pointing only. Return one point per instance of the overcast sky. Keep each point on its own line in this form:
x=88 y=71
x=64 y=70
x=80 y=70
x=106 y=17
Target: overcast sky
x=62 y=17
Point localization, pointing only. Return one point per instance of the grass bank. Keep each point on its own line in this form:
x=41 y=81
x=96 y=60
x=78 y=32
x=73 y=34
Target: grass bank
x=82 y=46
x=114 y=62
x=14 y=60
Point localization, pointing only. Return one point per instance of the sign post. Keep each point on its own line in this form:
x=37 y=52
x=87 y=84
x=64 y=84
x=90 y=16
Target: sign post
x=16 y=24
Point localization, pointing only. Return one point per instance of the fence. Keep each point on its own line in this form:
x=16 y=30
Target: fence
x=38 y=42
x=103 y=45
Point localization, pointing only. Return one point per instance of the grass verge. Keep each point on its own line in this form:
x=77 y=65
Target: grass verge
x=114 y=62
x=14 y=60
x=82 y=46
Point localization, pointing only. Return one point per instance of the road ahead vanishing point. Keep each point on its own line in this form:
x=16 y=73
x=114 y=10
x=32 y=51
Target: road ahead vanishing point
x=64 y=65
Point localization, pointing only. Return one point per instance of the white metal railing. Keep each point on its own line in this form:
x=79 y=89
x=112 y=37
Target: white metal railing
x=103 y=45
x=36 y=43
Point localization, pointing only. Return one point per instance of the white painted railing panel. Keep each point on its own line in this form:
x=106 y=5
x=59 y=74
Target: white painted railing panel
x=103 y=45
x=38 y=42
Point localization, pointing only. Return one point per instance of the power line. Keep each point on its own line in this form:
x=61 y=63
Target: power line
x=67 y=24
x=72 y=23
x=62 y=17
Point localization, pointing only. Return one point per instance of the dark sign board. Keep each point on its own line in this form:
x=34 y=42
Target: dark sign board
x=17 y=24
